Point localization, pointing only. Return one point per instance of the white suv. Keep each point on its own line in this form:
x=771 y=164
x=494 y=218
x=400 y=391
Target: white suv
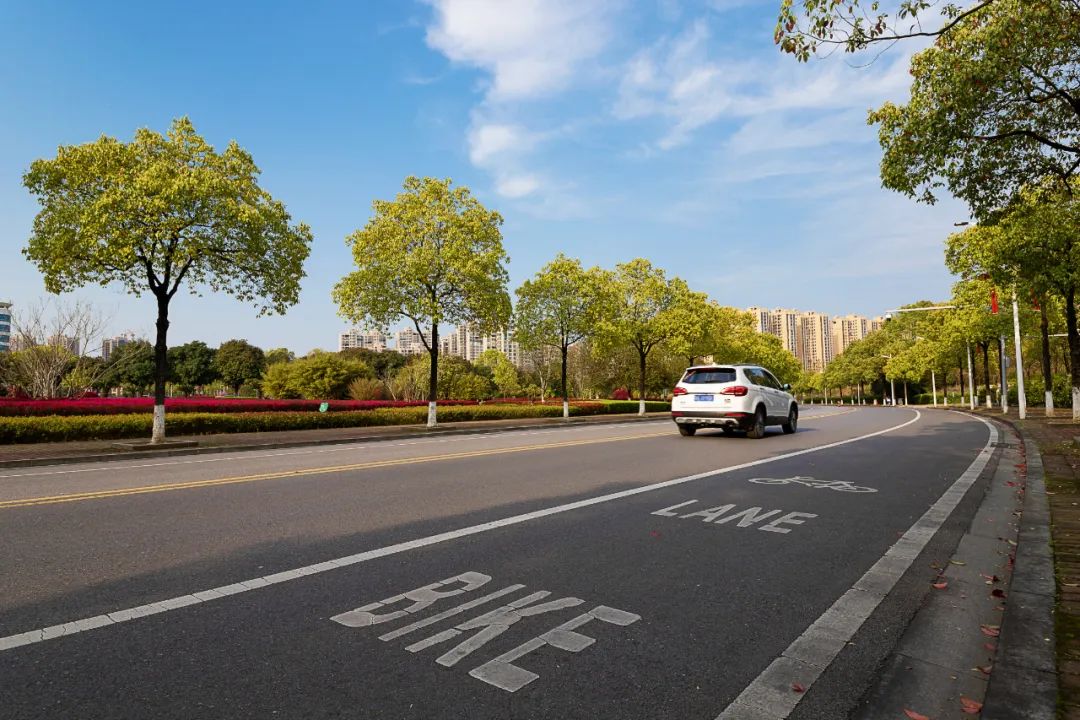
x=732 y=397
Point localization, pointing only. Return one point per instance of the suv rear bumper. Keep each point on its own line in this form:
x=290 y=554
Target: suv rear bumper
x=716 y=419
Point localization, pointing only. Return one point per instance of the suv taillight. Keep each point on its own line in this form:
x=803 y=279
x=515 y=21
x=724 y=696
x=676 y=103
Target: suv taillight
x=737 y=390
x=678 y=391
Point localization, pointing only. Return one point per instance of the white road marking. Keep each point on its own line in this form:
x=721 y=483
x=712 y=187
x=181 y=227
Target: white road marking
x=746 y=518
x=769 y=696
x=41 y=634
x=500 y=671
x=838 y=485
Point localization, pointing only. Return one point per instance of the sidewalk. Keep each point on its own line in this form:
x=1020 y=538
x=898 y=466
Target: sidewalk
x=1056 y=438
x=27 y=454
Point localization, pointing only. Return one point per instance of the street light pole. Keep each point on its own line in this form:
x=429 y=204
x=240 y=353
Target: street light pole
x=933 y=384
x=1021 y=400
x=971 y=377
x=1004 y=375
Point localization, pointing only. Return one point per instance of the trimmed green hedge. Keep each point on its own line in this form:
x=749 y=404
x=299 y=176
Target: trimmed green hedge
x=57 y=428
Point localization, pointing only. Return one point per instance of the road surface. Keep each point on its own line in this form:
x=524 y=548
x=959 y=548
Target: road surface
x=592 y=571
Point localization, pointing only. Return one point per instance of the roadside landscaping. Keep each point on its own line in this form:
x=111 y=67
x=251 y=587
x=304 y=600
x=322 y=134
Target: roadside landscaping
x=57 y=428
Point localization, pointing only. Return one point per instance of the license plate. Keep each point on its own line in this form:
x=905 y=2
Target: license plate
x=703 y=398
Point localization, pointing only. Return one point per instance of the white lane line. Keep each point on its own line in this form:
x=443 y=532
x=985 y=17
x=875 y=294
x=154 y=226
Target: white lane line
x=770 y=696
x=347 y=446
x=113 y=618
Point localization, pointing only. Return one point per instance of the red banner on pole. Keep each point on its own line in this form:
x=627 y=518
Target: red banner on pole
x=993 y=301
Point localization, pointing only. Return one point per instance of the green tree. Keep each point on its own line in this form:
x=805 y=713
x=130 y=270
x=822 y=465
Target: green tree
x=237 y=362
x=191 y=365
x=558 y=307
x=994 y=107
x=506 y=377
x=646 y=310
x=132 y=367
x=156 y=212
x=279 y=355
x=1031 y=245
x=856 y=24
x=433 y=255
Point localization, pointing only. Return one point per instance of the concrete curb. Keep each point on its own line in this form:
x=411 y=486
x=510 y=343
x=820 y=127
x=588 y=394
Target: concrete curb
x=1024 y=681
x=408 y=432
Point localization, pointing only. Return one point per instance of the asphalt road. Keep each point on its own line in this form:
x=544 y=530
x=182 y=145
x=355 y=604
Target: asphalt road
x=613 y=571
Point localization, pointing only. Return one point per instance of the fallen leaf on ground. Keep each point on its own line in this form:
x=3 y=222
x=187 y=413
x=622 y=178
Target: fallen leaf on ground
x=941 y=585
x=990 y=646
x=998 y=592
x=797 y=687
x=990 y=630
x=971 y=707
x=914 y=715
x=985 y=669
x=958 y=562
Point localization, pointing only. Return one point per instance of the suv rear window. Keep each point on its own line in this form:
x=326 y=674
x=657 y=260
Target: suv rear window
x=710 y=375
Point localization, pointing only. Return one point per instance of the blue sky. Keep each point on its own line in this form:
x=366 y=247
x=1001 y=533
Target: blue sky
x=605 y=129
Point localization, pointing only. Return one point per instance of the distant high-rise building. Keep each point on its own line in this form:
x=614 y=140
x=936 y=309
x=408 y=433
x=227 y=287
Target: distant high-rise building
x=109 y=345
x=763 y=320
x=71 y=344
x=355 y=338
x=5 y=326
x=877 y=323
x=465 y=341
x=815 y=341
x=410 y=342
x=847 y=330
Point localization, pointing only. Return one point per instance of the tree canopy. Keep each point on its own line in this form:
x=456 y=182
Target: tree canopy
x=159 y=211
x=433 y=255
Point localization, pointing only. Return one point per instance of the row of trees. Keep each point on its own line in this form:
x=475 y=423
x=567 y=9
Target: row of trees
x=993 y=117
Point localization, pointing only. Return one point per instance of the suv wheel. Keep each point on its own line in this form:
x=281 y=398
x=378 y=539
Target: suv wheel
x=757 y=430
x=792 y=423
x=687 y=430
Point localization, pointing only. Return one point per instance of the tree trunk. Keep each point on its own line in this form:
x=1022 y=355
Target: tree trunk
x=433 y=376
x=985 y=347
x=641 y=384
x=1074 y=350
x=1047 y=369
x=565 y=388
x=161 y=368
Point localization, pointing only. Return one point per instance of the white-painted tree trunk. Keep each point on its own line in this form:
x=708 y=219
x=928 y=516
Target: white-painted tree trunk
x=158 y=435
x=989 y=402
x=565 y=409
x=1076 y=402
x=1049 y=403
x=641 y=406
x=431 y=414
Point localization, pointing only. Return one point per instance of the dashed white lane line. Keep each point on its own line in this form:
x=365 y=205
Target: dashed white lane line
x=770 y=696
x=70 y=628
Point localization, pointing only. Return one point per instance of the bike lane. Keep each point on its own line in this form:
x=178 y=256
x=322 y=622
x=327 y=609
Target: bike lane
x=660 y=604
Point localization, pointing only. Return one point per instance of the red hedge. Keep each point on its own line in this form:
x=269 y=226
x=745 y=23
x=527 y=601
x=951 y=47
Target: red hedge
x=117 y=406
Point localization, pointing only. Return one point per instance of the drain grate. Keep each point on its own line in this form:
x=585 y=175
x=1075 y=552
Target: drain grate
x=1006 y=445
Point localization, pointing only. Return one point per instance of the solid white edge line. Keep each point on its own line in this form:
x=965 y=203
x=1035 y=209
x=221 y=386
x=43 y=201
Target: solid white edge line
x=70 y=628
x=770 y=696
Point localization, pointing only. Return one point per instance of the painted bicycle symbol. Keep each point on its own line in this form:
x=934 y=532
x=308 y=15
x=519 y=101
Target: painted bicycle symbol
x=838 y=485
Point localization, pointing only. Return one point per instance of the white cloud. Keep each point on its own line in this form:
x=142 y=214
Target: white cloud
x=489 y=141
x=516 y=186
x=531 y=48
x=678 y=79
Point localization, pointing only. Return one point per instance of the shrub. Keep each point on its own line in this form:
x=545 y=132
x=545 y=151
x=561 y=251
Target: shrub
x=122 y=406
x=620 y=394
x=134 y=425
x=366 y=389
